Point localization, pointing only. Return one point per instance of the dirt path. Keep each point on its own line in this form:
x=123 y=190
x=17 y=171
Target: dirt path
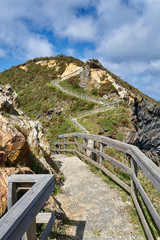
x=96 y=210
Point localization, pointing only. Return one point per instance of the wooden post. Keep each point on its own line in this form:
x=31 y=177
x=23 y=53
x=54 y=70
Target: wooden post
x=85 y=141
x=65 y=146
x=135 y=171
x=31 y=232
x=11 y=200
x=75 y=140
x=60 y=139
x=101 y=159
x=12 y=195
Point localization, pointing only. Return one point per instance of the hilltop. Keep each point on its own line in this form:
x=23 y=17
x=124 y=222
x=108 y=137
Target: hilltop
x=40 y=99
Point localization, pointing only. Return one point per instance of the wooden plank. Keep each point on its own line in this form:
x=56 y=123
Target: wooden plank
x=147 y=201
x=148 y=167
x=117 y=163
x=30 y=234
x=111 y=175
x=101 y=159
x=26 y=178
x=12 y=195
x=142 y=217
x=66 y=135
x=67 y=150
x=43 y=217
x=66 y=143
x=88 y=148
x=134 y=170
x=18 y=219
x=48 y=228
x=107 y=141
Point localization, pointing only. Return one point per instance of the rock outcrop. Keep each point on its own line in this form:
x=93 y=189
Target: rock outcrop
x=8 y=100
x=22 y=140
x=92 y=78
x=4 y=173
x=13 y=143
x=147 y=123
x=71 y=68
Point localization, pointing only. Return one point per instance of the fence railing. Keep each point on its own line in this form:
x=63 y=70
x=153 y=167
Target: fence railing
x=20 y=220
x=138 y=163
x=98 y=109
x=79 y=95
x=77 y=124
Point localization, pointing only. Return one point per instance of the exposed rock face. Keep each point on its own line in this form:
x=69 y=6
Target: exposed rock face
x=8 y=100
x=70 y=69
x=91 y=78
x=20 y=137
x=85 y=77
x=50 y=63
x=4 y=173
x=24 y=68
x=148 y=126
x=13 y=142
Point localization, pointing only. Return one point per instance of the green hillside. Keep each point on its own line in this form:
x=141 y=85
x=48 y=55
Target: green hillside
x=38 y=97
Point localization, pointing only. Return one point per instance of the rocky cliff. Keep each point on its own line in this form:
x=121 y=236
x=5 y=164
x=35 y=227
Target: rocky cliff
x=147 y=123
x=22 y=141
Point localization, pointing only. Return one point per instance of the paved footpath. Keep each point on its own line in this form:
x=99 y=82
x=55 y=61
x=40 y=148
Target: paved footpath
x=97 y=211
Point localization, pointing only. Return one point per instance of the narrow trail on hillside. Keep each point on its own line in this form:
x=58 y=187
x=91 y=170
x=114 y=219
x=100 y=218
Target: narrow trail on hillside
x=105 y=105
x=95 y=210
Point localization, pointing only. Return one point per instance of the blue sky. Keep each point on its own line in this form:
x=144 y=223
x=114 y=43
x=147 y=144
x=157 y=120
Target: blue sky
x=123 y=34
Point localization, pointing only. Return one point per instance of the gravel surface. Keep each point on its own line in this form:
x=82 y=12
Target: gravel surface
x=96 y=210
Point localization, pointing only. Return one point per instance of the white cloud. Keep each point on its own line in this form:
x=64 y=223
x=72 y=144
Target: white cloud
x=125 y=34
x=80 y=29
x=37 y=47
x=2 y=53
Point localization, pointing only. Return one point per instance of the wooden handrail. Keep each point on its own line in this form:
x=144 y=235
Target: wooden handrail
x=138 y=161
x=16 y=222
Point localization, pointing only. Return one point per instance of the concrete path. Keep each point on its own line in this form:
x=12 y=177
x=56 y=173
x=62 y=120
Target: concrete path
x=97 y=211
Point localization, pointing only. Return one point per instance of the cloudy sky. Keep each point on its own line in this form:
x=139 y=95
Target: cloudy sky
x=123 y=34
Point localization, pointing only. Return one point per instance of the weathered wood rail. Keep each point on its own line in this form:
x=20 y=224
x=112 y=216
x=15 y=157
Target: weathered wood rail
x=138 y=162
x=78 y=95
x=20 y=220
x=106 y=106
x=77 y=124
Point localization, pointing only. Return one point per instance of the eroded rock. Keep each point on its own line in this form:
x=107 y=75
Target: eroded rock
x=13 y=142
x=22 y=139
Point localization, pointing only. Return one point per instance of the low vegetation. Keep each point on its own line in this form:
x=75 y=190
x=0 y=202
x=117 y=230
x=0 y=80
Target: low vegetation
x=116 y=122
x=37 y=96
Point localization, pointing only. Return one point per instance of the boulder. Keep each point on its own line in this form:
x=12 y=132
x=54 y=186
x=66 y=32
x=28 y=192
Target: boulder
x=13 y=142
x=8 y=100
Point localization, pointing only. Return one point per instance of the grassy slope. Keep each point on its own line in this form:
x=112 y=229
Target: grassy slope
x=116 y=121
x=37 y=95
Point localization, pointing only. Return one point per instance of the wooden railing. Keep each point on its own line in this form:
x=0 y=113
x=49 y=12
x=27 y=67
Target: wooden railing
x=139 y=162
x=20 y=220
x=106 y=106
x=78 y=125
x=79 y=95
